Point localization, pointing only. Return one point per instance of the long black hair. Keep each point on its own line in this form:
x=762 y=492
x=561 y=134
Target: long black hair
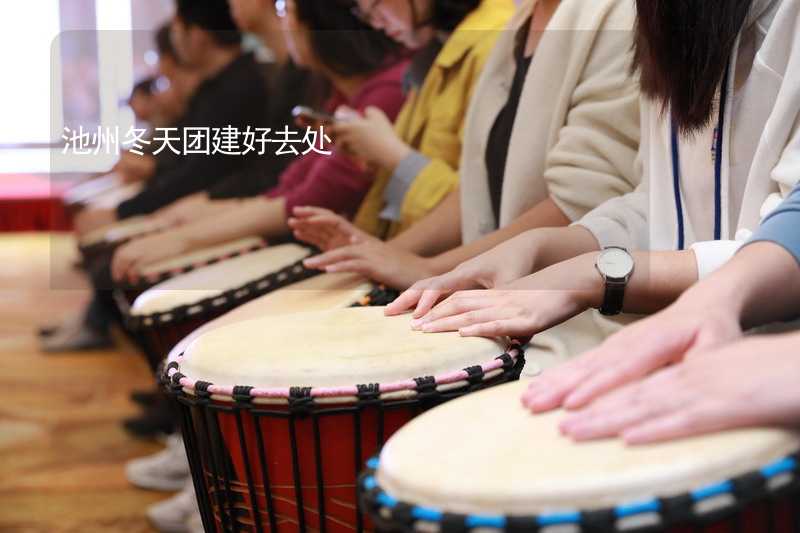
x=682 y=50
x=342 y=42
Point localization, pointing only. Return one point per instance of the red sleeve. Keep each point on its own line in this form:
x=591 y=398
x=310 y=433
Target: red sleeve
x=335 y=182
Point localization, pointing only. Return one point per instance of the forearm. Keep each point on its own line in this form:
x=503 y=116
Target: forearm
x=440 y=230
x=658 y=280
x=546 y=214
x=760 y=285
x=259 y=216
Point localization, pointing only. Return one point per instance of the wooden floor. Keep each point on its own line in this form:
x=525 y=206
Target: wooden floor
x=62 y=449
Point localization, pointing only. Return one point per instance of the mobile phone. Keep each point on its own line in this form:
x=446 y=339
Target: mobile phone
x=311 y=116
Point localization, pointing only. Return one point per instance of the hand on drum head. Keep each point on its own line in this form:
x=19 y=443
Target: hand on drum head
x=325 y=229
x=376 y=260
x=631 y=354
x=132 y=257
x=746 y=383
x=520 y=309
x=499 y=266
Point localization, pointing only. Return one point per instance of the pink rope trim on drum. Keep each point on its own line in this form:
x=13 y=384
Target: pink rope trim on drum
x=513 y=351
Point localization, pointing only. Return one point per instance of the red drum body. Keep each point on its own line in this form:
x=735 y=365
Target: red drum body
x=287 y=458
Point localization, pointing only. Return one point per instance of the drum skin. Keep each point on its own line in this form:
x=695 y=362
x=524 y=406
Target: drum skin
x=166 y=313
x=293 y=461
x=485 y=459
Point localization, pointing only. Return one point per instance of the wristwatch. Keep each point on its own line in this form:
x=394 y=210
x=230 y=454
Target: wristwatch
x=615 y=265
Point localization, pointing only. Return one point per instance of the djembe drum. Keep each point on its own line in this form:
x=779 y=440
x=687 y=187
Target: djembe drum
x=169 y=311
x=279 y=413
x=485 y=463
x=161 y=271
x=98 y=246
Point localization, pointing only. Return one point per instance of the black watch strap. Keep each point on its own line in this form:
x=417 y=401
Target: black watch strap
x=613 y=299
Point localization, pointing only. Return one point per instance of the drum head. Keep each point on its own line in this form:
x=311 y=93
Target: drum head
x=320 y=293
x=484 y=454
x=202 y=257
x=328 y=349
x=214 y=280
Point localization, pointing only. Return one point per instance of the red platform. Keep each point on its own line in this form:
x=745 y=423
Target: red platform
x=32 y=203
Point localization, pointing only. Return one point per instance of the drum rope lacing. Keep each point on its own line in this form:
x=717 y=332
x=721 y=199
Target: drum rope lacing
x=673 y=510
x=294 y=273
x=508 y=362
x=150 y=280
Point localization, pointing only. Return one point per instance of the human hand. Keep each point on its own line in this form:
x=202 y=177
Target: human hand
x=688 y=326
x=370 y=137
x=501 y=265
x=90 y=219
x=375 y=260
x=325 y=229
x=746 y=383
x=130 y=258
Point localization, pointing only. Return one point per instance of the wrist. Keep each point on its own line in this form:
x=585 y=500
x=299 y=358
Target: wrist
x=592 y=286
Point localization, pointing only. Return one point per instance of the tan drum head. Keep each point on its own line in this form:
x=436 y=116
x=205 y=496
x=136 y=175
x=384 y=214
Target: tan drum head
x=202 y=257
x=214 y=280
x=484 y=454
x=327 y=349
x=320 y=293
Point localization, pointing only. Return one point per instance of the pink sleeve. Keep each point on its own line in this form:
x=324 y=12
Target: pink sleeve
x=335 y=182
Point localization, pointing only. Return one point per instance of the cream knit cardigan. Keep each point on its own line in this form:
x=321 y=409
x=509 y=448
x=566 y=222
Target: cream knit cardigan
x=576 y=134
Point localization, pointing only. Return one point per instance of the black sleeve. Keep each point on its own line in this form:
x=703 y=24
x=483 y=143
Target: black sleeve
x=238 y=101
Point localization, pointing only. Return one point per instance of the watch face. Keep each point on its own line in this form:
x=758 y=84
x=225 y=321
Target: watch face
x=615 y=263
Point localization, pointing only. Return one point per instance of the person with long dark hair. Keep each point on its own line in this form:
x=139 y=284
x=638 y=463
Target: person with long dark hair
x=720 y=146
x=566 y=64
x=417 y=158
x=365 y=69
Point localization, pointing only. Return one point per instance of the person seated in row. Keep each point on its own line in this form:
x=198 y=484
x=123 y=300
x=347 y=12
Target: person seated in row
x=288 y=85
x=451 y=49
x=365 y=68
x=170 y=92
x=517 y=174
x=231 y=93
x=690 y=369
x=715 y=159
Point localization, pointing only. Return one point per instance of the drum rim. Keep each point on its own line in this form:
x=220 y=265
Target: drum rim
x=284 y=277
x=745 y=488
x=147 y=282
x=508 y=362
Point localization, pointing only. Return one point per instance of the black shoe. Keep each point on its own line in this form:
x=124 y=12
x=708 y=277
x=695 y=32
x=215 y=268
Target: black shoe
x=155 y=423
x=145 y=398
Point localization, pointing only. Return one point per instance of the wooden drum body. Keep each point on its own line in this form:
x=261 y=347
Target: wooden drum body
x=279 y=413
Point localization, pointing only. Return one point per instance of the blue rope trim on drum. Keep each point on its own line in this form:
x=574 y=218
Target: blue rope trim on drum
x=710 y=491
x=636 y=508
x=559 y=519
x=777 y=468
x=374 y=493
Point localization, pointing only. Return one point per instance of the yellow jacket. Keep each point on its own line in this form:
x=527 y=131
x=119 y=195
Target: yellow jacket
x=432 y=119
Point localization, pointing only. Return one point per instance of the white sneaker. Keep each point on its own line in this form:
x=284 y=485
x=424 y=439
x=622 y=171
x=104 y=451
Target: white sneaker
x=167 y=470
x=195 y=523
x=172 y=515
